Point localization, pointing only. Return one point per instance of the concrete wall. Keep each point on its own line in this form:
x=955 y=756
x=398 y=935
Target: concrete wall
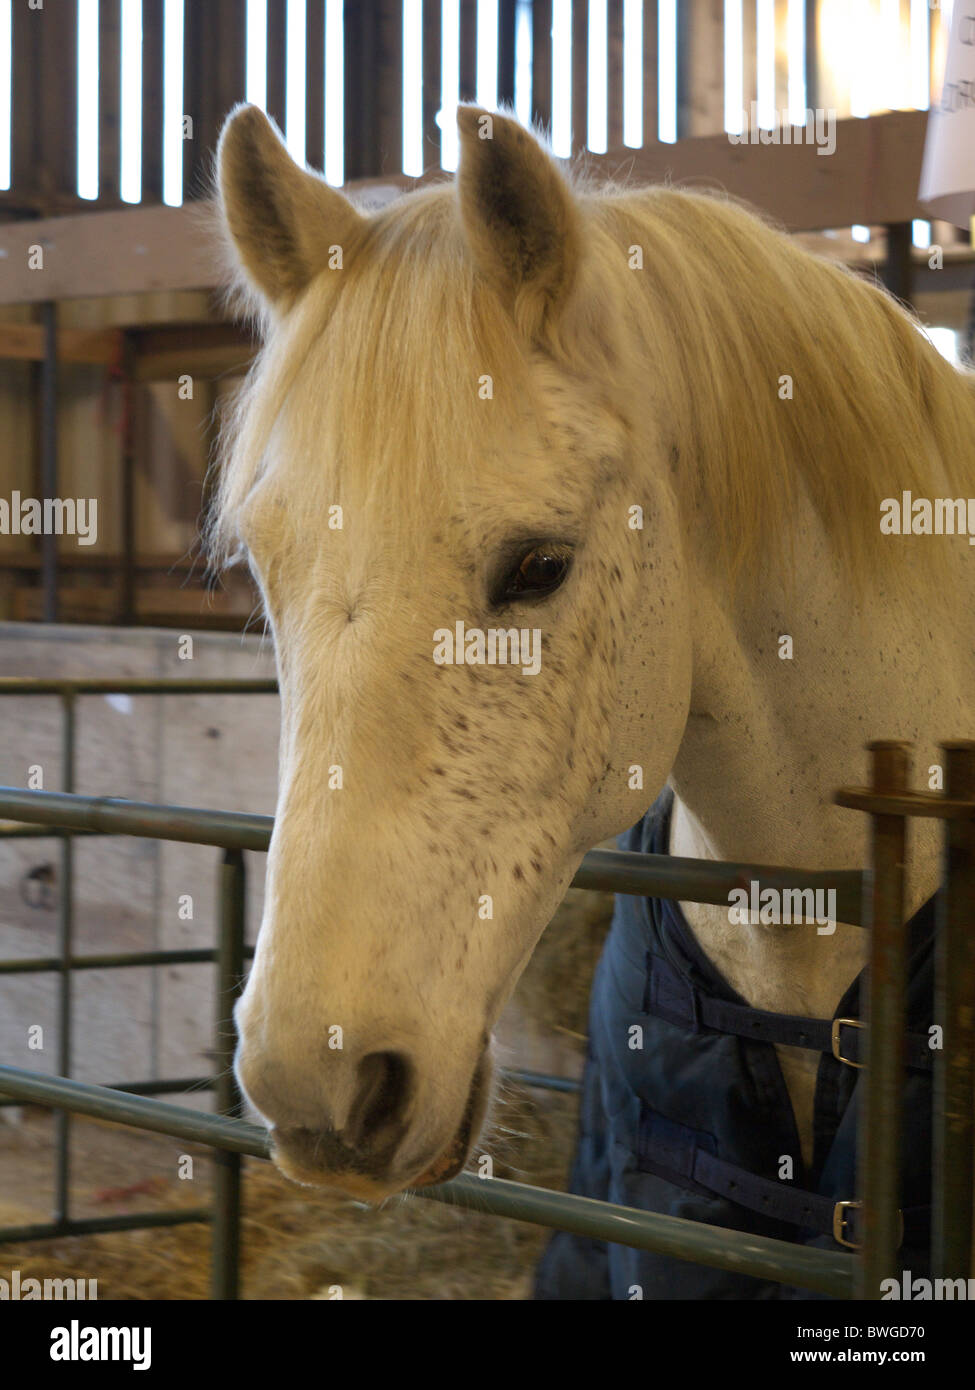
x=209 y=751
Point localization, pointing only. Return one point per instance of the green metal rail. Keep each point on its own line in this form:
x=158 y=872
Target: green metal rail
x=888 y=801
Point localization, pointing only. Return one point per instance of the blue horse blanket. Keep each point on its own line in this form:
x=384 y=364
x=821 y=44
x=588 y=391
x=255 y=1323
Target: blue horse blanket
x=695 y=1121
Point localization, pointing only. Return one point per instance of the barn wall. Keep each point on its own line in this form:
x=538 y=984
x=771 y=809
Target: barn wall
x=210 y=751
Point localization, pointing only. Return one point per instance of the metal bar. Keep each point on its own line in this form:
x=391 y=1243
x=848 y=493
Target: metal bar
x=541 y=1080
x=653 y=875
x=49 y=457
x=225 y=1243
x=62 y=1184
x=97 y=1225
x=170 y=685
x=118 y=961
x=148 y=1088
x=954 y=1063
x=879 y=1133
x=782 y=1261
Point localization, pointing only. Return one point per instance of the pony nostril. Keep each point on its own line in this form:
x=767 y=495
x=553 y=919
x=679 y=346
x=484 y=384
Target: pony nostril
x=376 y=1117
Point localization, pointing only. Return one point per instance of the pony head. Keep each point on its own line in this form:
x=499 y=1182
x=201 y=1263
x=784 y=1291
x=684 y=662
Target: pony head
x=458 y=503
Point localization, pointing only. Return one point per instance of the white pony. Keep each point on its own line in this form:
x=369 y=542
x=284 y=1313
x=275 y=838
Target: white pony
x=646 y=427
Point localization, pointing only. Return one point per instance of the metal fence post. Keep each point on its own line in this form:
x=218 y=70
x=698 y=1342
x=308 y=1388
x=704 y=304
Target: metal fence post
x=62 y=1120
x=879 y=1136
x=954 y=1063
x=225 y=1247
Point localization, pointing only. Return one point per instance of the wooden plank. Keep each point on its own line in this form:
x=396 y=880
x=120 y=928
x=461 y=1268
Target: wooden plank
x=213 y=76
x=651 y=112
x=205 y=350
x=468 y=50
x=57 y=81
x=315 y=84
x=24 y=342
x=871 y=178
x=388 y=86
x=432 y=88
x=152 y=100
x=542 y=63
x=700 y=101
x=361 y=117
x=749 y=84
x=277 y=29
x=26 y=99
x=615 y=75
x=109 y=98
x=507 y=17
x=580 y=74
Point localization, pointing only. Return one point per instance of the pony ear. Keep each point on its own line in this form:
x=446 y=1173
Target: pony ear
x=521 y=221
x=281 y=220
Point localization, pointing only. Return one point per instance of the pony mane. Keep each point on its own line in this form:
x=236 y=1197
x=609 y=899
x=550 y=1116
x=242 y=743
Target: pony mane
x=724 y=307
x=730 y=305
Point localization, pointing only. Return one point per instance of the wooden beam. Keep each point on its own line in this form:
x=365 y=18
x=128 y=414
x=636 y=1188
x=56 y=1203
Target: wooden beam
x=467 y=59
x=205 y=350
x=614 y=129
x=542 y=63
x=651 y=74
x=872 y=178
x=432 y=78
x=315 y=84
x=277 y=32
x=361 y=115
x=580 y=75
x=152 y=100
x=24 y=342
x=109 y=98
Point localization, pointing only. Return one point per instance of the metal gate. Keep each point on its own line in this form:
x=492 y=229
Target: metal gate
x=874 y=899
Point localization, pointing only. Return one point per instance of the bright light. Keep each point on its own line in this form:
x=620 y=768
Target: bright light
x=173 y=103
x=130 y=124
x=449 y=84
x=920 y=56
x=255 y=81
x=87 y=122
x=412 y=87
x=5 y=80
x=734 y=76
x=765 y=64
x=859 y=233
x=861 y=73
x=921 y=233
x=667 y=71
x=796 y=34
x=523 y=61
x=486 y=81
x=633 y=73
x=562 y=77
x=946 y=341
x=334 y=93
x=597 y=85
x=295 y=82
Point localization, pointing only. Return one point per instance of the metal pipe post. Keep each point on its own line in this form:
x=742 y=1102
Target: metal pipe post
x=953 y=1169
x=225 y=1240
x=879 y=1136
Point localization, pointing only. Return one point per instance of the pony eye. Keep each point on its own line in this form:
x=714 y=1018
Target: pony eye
x=539 y=572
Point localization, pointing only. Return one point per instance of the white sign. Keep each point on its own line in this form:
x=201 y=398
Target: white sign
x=948 y=173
